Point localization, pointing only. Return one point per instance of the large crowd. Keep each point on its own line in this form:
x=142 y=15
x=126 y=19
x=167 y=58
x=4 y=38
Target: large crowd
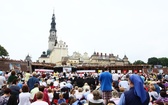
x=72 y=88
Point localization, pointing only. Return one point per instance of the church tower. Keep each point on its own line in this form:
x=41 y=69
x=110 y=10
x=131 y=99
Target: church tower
x=53 y=35
x=56 y=49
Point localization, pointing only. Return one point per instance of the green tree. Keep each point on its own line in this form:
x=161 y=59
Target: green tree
x=3 y=51
x=138 y=62
x=153 y=61
x=163 y=61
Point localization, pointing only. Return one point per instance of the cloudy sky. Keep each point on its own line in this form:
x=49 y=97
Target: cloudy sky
x=138 y=29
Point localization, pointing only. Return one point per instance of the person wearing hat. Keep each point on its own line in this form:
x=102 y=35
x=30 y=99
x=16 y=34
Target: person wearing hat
x=137 y=95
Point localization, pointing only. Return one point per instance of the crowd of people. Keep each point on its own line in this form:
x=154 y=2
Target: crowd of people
x=71 y=88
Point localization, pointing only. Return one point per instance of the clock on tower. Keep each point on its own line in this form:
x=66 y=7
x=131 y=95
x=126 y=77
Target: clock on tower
x=53 y=33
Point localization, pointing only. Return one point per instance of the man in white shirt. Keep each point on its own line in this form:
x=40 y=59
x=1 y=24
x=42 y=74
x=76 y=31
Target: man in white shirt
x=115 y=79
x=124 y=84
x=39 y=101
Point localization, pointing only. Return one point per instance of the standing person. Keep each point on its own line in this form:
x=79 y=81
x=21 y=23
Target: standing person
x=12 y=77
x=32 y=81
x=7 y=98
x=105 y=79
x=4 y=99
x=27 y=76
x=15 y=88
x=24 y=97
x=115 y=79
x=39 y=101
x=45 y=95
x=34 y=91
x=137 y=95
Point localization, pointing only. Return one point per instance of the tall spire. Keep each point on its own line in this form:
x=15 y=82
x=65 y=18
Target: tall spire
x=53 y=11
x=53 y=23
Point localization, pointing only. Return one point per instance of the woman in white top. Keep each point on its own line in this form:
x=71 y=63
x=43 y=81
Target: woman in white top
x=24 y=97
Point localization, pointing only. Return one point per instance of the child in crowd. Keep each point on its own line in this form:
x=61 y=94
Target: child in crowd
x=61 y=99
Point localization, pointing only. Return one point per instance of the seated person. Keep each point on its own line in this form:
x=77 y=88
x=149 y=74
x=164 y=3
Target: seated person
x=61 y=99
x=96 y=100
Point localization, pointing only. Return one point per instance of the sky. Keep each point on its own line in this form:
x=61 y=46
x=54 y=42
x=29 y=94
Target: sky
x=135 y=28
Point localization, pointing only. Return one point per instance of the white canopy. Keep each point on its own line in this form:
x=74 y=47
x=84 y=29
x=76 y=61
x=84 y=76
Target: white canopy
x=44 y=70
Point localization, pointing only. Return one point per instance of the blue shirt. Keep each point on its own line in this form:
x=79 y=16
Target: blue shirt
x=20 y=85
x=85 y=94
x=122 y=99
x=106 y=80
x=31 y=82
x=61 y=100
x=69 y=85
x=129 y=98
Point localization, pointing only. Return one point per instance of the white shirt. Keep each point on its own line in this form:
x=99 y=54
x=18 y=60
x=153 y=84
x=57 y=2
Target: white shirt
x=33 y=92
x=154 y=94
x=2 y=80
x=124 y=84
x=86 y=87
x=89 y=96
x=116 y=100
x=44 y=84
x=27 y=76
x=56 y=83
x=62 y=84
x=96 y=101
x=49 y=81
x=24 y=98
x=50 y=95
x=115 y=77
x=39 y=102
x=79 y=95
